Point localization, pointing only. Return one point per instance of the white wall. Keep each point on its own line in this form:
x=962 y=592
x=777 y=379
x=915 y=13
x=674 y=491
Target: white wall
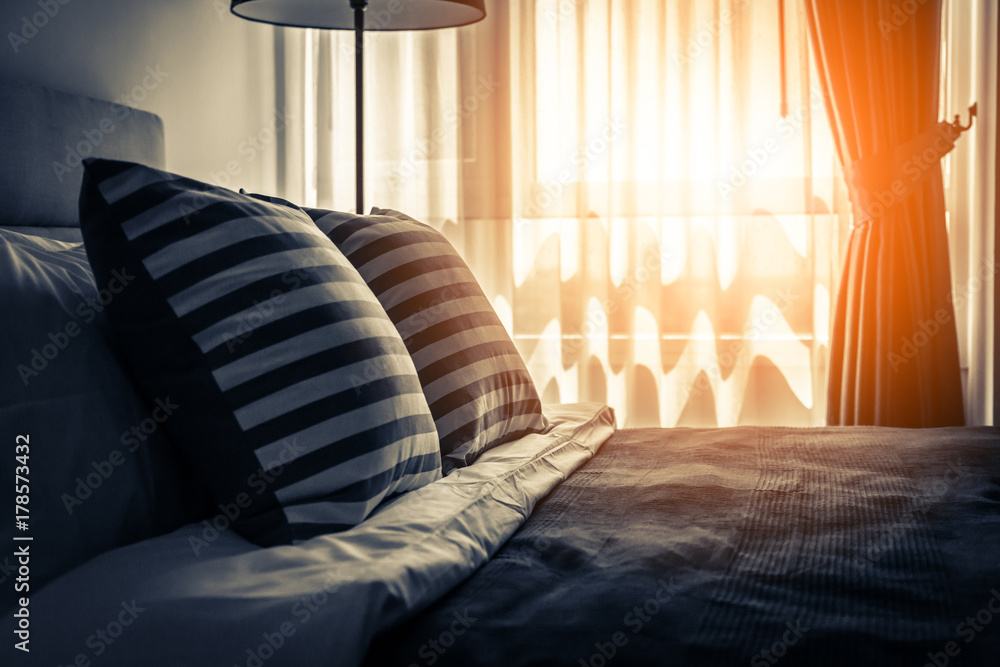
x=214 y=86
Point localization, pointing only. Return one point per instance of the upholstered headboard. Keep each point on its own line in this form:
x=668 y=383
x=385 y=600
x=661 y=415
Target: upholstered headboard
x=45 y=134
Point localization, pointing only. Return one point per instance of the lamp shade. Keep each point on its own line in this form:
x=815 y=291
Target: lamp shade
x=380 y=14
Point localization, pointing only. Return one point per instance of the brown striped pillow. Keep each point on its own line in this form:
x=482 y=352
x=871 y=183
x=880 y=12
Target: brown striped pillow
x=479 y=391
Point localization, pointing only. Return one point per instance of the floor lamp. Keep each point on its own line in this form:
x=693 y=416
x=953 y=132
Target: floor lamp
x=350 y=15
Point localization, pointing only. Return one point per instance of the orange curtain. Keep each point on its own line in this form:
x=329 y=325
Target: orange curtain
x=894 y=354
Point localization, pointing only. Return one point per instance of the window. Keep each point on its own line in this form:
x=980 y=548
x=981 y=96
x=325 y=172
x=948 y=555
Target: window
x=652 y=230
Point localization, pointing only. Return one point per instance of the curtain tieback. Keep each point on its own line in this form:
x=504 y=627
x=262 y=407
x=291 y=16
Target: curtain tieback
x=881 y=181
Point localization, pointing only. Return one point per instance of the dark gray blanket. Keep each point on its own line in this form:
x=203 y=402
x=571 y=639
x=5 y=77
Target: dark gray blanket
x=759 y=546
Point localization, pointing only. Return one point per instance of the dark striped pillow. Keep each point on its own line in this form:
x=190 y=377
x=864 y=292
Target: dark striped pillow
x=296 y=397
x=475 y=381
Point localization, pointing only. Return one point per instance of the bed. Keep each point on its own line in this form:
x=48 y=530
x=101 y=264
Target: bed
x=748 y=545
x=568 y=543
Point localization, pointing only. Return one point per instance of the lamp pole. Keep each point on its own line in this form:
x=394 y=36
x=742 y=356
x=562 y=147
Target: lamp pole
x=359 y=7
x=338 y=15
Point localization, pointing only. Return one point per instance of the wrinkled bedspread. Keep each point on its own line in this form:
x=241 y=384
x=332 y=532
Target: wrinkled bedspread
x=759 y=546
x=203 y=596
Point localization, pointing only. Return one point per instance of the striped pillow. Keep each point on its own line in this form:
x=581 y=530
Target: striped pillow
x=297 y=400
x=475 y=381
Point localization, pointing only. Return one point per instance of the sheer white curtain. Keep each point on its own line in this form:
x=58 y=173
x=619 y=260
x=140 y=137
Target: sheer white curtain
x=969 y=62
x=618 y=174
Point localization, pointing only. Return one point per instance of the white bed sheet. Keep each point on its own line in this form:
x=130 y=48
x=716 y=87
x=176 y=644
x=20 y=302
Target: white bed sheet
x=315 y=603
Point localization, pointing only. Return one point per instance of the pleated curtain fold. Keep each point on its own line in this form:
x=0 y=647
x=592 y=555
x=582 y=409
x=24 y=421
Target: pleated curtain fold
x=894 y=353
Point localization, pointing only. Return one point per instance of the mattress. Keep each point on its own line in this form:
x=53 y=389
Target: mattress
x=834 y=546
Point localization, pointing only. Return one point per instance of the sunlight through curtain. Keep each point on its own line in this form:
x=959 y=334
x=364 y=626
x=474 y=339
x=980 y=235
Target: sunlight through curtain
x=655 y=235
